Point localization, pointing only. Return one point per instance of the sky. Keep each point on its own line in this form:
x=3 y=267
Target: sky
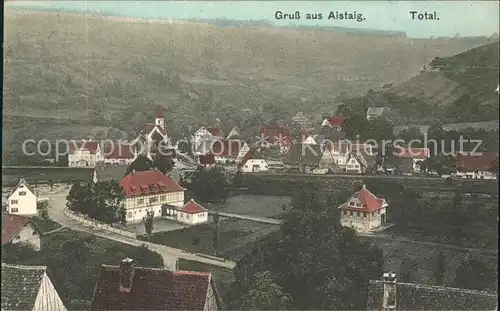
x=467 y=18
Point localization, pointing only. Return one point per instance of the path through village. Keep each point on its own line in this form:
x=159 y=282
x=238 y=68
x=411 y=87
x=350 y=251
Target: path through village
x=57 y=204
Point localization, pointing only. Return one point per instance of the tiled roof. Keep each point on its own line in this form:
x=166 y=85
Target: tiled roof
x=274 y=135
x=424 y=297
x=84 y=145
x=370 y=203
x=11 y=226
x=207 y=159
x=336 y=121
x=22 y=181
x=328 y=162
x=215 y=131
x=234 y=133
x=303 y=154
x=118 y=150
x=192 y=207
x=332 y=134
x=148 y=182
x=251 y=154
x=414 y=153
x=152 y=289
x=227 y=148
x=20 y=286
x=470 y=163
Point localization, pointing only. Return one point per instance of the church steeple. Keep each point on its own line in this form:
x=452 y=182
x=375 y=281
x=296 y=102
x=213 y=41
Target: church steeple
x=159 y=120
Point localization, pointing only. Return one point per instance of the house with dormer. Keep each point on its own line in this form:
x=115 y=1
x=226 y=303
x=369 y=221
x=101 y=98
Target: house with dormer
x=146 y=192
x=363 y=211
x=22 y=199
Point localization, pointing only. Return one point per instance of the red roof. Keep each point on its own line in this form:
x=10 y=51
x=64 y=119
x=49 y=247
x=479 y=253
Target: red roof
x=11 y=226
x=118 y=150
x=159 y=112
x=414 y=153
x=336 y=121
x=227 y=148
x=471 y=163
x=274 y=135
x=151 y=289
x=207 y=159
x=215 y=131
x=84 y=145
x=148 y=182
x=192 y=207
x=370 y=203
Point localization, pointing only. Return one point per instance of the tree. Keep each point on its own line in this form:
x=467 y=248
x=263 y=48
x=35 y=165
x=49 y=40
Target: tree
x=208 y=185
x=148 y=223
x=163 y=163
x=406 y=270
x=102 y=201
x=440 y=269
x=263 y=294
x=474 y=272
x=215 y=239
x=142 y=163
x=316 y=261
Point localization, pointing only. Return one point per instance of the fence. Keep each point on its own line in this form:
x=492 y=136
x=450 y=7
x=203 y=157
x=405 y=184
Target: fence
x=94 y=223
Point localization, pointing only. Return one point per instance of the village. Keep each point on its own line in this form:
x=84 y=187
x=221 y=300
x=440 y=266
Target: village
x=155 y=198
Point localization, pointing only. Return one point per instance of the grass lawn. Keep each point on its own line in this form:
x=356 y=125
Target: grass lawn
x=44 y=225
x=235 y=236
x=74 y=260
x=223 y=277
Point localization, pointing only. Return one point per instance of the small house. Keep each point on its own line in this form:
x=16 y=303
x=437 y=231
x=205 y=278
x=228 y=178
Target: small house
x=389 y=294
x=18 y=229
x=480 y=166
x=363 y=211
x=29 y=288
x=22 y=199
x=206 y=160
x=192 y=213
x=303 y=157
x=127 y=287
x=417 y=155
x=373 y=113
x=333 y=122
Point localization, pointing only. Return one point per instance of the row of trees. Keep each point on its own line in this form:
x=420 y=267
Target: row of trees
x=102 y=201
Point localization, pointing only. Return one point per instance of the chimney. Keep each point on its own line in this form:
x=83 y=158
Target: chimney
x=133 y=171
x=389 y=300
x=126 y=275
x=364 y=188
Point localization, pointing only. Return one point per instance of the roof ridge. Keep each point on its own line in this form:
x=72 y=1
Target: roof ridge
x=463 y=290
x=177 y=272
x=24 y=267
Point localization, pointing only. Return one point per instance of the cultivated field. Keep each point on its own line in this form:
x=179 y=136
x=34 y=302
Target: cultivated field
x=62 y=65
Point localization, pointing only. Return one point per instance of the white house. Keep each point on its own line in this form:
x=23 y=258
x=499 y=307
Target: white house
x=192 y=213
x=417 y=155
x=85 y=153
x=342 y=152
x=119 y=153
x=482 y=166
x=18 y=229
x=147 y=191
x=29 y=288
x=363 y=211
x=207 y=132
x=22 y=199
x=254 y=166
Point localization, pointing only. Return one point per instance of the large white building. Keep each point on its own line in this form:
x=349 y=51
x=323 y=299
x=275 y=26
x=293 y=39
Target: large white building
x=147 y=191
x=22 y=199
x=363 y=211
x=84 y=153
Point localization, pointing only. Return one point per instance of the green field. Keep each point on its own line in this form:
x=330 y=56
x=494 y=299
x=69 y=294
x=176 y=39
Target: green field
x=10 y=176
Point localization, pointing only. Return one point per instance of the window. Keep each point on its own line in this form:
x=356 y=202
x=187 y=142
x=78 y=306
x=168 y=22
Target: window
x=357 y=214
x=182 y=215
x=13 y=201
x=163 y=198
x=22 y=192
x=14 y=210
x=364 y=215
x=21 y=186
x=18 y=237
x=129 y=215
x=153 y=200
x=351 y=213
x=140 y=201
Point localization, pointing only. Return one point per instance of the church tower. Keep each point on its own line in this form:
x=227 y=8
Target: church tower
x=159 y=120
